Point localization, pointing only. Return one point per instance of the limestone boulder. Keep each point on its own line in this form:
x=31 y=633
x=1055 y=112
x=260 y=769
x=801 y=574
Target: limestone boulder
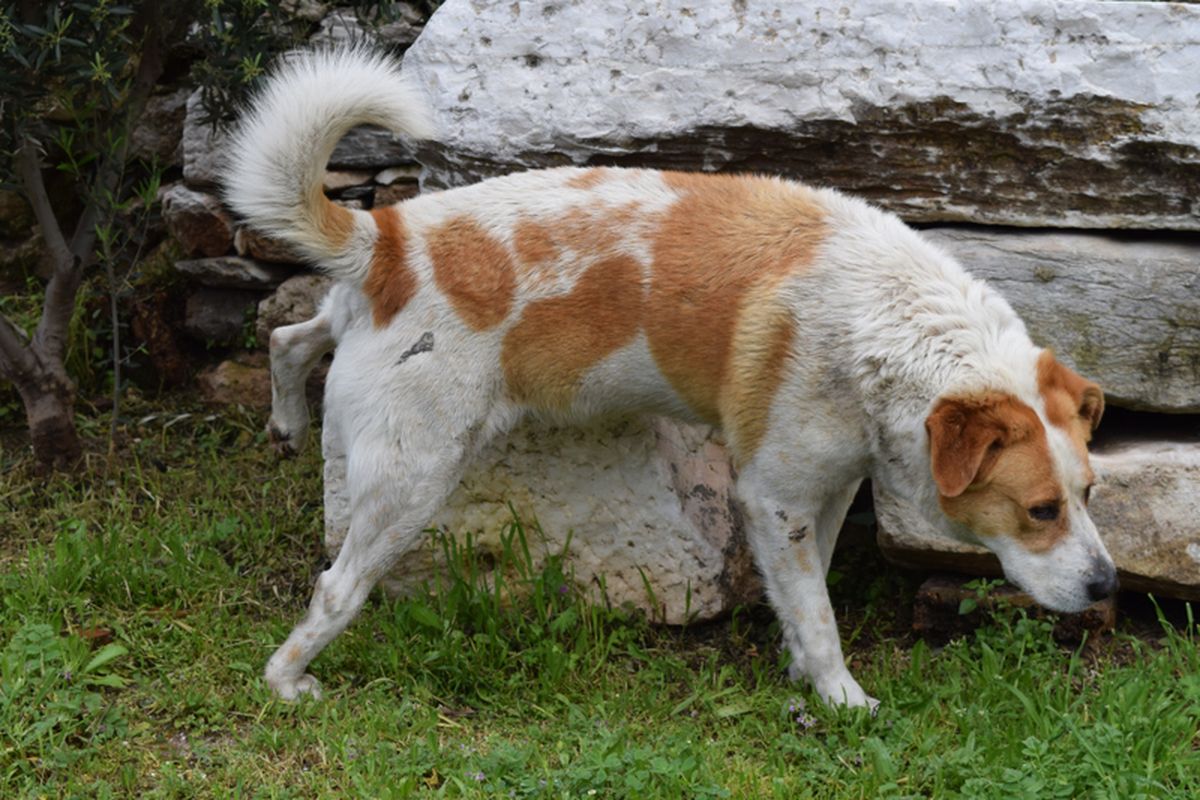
x=1032 y=112
x=641 y=508
x=1123 y=311
x=158 y=133
x=1146 y=505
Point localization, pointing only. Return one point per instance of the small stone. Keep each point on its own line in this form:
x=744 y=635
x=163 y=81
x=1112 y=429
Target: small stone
x=234 y=272
x=243 y=380
x=196 y=220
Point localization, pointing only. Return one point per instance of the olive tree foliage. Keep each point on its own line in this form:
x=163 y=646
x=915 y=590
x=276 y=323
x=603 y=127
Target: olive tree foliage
x=75 y=77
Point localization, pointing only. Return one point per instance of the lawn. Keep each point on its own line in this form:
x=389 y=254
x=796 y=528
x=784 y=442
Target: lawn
x=139 y=604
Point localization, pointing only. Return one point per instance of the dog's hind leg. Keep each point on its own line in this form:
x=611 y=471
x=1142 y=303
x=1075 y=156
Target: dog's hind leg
x=295 y=350
x=397 y=483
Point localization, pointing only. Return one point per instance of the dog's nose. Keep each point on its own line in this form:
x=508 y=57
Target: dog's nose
x=1103 y=583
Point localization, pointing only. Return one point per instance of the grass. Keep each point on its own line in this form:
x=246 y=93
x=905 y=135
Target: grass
x=138 y=606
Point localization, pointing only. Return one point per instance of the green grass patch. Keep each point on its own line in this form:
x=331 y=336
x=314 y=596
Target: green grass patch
x=139 y=604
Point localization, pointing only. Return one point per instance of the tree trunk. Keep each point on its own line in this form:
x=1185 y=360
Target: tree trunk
x=49 y=410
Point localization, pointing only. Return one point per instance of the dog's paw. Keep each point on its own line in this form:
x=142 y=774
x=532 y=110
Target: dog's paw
x=844 y=692
x=291 y=689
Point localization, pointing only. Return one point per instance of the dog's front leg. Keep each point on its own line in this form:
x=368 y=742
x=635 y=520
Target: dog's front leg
x=786 y=537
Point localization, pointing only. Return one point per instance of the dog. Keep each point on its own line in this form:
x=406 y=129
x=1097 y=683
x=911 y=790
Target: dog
x=826 y=339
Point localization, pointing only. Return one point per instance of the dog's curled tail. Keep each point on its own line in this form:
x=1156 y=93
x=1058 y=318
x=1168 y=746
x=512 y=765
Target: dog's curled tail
x=274 y=175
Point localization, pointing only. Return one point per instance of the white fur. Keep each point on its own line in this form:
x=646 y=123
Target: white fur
x=885 y=325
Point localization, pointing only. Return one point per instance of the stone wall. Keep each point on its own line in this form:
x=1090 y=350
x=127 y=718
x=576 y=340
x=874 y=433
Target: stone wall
x=1052 y=146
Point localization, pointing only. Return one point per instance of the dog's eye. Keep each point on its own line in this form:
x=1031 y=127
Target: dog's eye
x=1046 y=512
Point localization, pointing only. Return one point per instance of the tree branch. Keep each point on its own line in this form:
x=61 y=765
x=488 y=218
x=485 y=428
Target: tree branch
x=29 y=169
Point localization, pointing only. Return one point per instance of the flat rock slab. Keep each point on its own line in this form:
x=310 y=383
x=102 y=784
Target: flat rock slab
x=234 y=272
x=196 y=220
x=1125 y=312
x=1032 y=113
x=641 y=509
x=1146 y=505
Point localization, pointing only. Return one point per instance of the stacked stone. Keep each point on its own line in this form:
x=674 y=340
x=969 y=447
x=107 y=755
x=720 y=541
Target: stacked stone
x=245 y=284
x=1059 y=138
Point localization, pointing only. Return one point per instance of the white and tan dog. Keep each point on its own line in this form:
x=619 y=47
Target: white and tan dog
x=826 y=339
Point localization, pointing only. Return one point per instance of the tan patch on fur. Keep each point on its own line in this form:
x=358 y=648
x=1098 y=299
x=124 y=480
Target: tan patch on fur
x=474 y=270
x=547 y=354
x=1072 y=402
x=390 y=283
x=293 y=653
x=534 y=244
x=588 y=179
x=761 y=346
x=334 y=222
x=725 y=238
x=1001 y=444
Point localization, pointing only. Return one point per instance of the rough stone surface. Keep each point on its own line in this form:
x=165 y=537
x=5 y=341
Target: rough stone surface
x=395 y=193
x=1146 y=505
x=243 y=380
x=1125 y=312
x=234 y=272
x=196 y=220
x=248 y=242
x=159 y=132
x=643 y=502
x=219 y=316
x=204 y=148
x=1033 y=112
x=296 y=300
x=369 y=147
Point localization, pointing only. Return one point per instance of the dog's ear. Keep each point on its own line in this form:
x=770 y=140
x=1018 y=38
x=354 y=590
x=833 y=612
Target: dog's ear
x=964 y=439
x=1069 y=395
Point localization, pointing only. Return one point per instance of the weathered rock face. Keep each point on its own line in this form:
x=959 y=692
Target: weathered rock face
x=219 y=316
x=1026 y=113
x=204 y=147
x=158 y=132
x=233 y=272
x=1146 y=505
x=1124 y=312
x=644 y=503
x=196 y=220
x=296 y=300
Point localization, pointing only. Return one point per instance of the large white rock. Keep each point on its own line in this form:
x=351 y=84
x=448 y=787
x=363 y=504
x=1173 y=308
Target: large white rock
x=1032 y=112
x=1125 y=312
x=640 y=507
x=1146 y=505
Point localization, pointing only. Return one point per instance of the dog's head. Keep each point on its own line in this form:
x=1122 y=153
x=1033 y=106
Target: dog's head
x=1019 y=481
